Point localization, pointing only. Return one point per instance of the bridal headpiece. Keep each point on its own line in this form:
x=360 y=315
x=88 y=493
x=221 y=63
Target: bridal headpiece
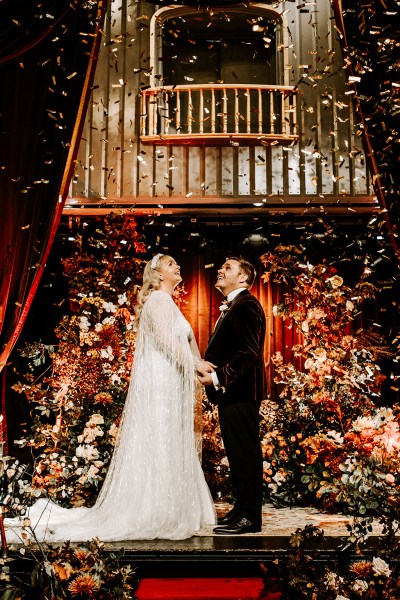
x=155 y=260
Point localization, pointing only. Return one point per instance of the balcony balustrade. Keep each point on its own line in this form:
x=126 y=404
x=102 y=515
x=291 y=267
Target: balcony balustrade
x=218 y=115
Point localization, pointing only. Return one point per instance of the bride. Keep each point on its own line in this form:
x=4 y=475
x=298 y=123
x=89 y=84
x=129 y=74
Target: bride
x=155 y=487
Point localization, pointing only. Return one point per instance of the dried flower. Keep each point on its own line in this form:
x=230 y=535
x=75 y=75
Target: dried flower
x=335 y=281
x=81 y=554
x=83 y=584
x=103 y=398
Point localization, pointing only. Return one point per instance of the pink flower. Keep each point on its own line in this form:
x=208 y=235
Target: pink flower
x=390 y=438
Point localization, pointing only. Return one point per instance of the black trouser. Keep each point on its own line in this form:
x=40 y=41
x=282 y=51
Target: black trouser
x=240 y=429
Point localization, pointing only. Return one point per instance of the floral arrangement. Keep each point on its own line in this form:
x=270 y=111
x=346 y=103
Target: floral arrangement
x=329 y=443
x=78 y=400
x=363 y=571
x=83 y=572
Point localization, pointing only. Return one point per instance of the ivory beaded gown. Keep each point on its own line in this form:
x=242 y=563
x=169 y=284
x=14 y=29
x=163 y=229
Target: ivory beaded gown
x=155 y=487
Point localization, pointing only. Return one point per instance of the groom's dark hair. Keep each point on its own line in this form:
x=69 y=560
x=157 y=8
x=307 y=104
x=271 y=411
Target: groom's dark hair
x=246 y=267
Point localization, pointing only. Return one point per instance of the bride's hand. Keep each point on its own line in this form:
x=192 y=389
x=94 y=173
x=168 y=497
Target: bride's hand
x=204 y=366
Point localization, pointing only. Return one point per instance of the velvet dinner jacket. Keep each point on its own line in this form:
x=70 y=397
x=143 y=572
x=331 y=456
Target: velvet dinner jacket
x=237 y=348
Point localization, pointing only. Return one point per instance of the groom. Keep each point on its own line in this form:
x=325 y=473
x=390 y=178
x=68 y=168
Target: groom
x=233 y=372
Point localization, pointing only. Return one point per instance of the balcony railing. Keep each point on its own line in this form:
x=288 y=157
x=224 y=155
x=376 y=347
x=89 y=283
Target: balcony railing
x=218 y=114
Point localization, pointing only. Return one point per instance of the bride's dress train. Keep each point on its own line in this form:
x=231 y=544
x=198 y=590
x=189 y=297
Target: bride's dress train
x=155 y=487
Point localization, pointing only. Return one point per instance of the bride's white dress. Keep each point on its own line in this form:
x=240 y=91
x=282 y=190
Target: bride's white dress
x=155 y=487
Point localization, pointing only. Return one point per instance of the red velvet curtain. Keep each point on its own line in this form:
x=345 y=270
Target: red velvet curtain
x=48 y=51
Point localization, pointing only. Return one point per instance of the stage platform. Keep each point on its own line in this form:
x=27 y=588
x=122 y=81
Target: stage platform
x=208 y=553
x=224 y=562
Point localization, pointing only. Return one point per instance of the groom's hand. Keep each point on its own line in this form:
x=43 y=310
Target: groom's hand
x=205 y=378
x=203 y=369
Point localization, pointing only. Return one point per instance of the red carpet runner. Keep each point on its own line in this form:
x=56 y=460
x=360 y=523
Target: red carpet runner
x=247 y=588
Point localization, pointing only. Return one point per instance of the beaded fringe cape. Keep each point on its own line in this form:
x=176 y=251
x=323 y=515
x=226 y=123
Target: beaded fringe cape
x=155 y=487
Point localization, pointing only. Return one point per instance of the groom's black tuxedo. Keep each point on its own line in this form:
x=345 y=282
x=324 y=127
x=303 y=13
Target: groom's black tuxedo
x=237 y=348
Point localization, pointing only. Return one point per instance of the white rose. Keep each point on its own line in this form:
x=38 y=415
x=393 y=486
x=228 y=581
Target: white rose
x=96 y=419
x=91 y=474
x=349 y=305
x=380 y=567
x=360 y=585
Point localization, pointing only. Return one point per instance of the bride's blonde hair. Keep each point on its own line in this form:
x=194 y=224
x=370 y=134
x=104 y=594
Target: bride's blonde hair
x=151 y=282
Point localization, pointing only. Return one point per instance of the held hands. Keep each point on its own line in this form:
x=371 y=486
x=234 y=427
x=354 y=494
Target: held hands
x=204 y=368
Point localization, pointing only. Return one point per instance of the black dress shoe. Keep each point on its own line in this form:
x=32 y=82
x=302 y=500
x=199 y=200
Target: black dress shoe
x=230 y=516
x=242 y=525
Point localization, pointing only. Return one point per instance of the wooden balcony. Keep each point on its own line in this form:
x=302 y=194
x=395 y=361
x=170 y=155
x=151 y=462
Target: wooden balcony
x=218 y=115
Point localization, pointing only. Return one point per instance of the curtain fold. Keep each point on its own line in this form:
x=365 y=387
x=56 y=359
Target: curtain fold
x=48 y=52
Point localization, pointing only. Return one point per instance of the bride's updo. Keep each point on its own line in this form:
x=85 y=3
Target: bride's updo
x=151 y=282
